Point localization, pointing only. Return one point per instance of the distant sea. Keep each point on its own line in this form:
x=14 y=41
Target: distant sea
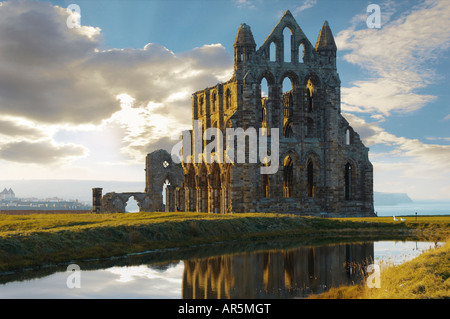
x=422 y=207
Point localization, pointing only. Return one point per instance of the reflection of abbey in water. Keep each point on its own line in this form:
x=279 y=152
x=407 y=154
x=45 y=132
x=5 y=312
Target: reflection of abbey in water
x=276 y=274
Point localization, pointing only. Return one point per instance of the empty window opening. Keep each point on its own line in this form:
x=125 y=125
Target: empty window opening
x=273 y=52
x=347 y=137
x=131 y=206
x=301 y=53
x=228 y=99
x=310 y=96
x=287 y=37
x=288 y=105
x=264 y=106
x=164 y=187
x=264 y=88
x=287 y=84
x=287 y=130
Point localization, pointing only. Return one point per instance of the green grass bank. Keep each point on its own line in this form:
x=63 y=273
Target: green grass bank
x=39 y=239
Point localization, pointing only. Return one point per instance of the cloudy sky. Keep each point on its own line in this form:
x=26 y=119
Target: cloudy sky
x=87 y=93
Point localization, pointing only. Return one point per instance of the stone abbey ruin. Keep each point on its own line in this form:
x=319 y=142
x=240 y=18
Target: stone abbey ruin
x=323 y=167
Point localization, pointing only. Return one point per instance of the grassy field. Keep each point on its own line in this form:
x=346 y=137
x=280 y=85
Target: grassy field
x=40 y=239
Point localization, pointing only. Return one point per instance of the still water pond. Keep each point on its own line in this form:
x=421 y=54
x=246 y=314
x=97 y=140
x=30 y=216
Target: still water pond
x=283 y=271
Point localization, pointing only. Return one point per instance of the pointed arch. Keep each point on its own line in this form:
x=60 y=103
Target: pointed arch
x=301 y=53
x=349 y=133
x=264 y=96
x=287 y=39
x=289 y=82
x=288 y=130
x=228 y=99
x=310 y=96
x=312 y=171
x=350 y=174
x=273 y=52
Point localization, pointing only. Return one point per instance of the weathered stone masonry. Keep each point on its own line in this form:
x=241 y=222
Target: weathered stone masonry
x=323 y=165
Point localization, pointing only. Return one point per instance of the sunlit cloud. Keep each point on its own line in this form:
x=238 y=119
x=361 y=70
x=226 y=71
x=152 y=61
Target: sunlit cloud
x=397 y=59
x=142 y=94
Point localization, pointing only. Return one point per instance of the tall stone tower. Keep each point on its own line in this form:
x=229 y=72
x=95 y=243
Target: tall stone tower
x=323 y=165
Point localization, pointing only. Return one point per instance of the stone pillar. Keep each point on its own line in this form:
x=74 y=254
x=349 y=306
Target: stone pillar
x=210 y=195
x=223 y=196
x=189 y=199
x=180 y=199
x=199 y=200
x=185 y=199
x=97 y=200
x=170 y=199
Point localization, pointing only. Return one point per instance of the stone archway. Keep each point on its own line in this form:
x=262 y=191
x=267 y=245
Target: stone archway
x=159 y=168
x=116 y=202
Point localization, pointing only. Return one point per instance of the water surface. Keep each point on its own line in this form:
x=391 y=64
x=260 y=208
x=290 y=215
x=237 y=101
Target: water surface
x=295 y=271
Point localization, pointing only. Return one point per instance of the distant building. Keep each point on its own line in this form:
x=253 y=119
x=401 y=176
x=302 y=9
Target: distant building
x=9 y=201
x=7 y=194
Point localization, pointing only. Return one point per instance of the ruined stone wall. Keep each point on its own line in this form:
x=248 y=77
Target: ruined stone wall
x=323 y=165
x=322 y=168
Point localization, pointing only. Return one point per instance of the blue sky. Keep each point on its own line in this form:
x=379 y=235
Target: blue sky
x=89 y=102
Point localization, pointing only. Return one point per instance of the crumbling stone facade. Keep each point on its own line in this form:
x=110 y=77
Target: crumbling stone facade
x=323 y=165
x=161 y=173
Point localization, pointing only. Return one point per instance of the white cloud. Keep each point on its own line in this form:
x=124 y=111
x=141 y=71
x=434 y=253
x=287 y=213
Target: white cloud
x=398 y=58
x=408 y=165
x=247 y=4
x=400 y=61
x=307 y=4
x=41 y=152
x=438 y=138
x=57 y=78
x=41 y=62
